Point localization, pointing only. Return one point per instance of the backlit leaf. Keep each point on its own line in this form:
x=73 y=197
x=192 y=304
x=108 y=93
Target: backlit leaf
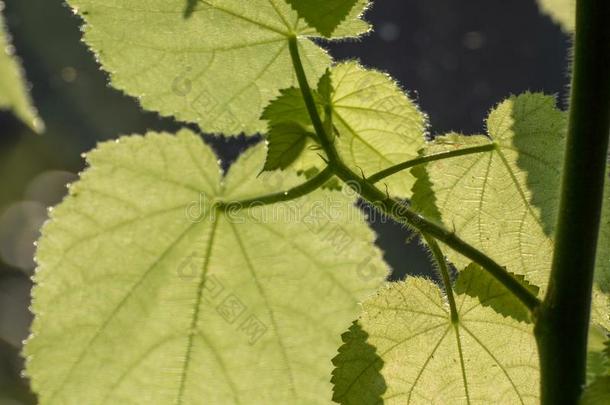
x=286 y=142
x=478 y=283
x=218 y=66
x=404 y=349
x=146 y=294
x=323 y=15
x=14 y=94
x=504 y=201
x=376 y=124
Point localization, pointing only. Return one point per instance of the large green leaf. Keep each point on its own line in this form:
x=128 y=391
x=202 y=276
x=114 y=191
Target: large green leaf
x=145 y=294
x=563 y=12
x=404 y=349
x=376 y=124
x=13 y=88
x=324 y=15
x=504 y=201
x=217 y=67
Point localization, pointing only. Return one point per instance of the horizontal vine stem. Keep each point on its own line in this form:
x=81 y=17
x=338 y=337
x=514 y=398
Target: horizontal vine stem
x=299 y=191
x=396 y=209
x=402 y=214
x=427 y=159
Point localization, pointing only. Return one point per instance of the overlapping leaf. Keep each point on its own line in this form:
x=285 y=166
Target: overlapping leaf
x=503 y=201
x=147 y=294
x=477 y=282
x=324 y=15
x=218 y=66
x=13 y=88
x=375 y=125
x=405 y=350
x=598 y=393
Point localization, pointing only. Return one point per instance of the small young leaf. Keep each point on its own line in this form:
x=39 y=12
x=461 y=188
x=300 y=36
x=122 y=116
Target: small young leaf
x=563 y=12
x=324 y=15
x=504 y=201
x=289 y=106
x=286 y=141
x=146 y=293
x=407 y=351
x=13 y=88
x=478 y=283
x=218 y=68
x=597 y=393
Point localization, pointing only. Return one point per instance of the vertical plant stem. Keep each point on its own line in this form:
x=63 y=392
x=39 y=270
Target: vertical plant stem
x=310 y=103
x=563 y=319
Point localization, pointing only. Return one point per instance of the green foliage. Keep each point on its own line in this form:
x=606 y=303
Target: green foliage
x=598 y=393
x=286 y=143
x=476 y=282
x=416 y=355
x=561 y=11
x=166 y=299
x=503 y=201
x=324 y=15
x=162 y=280
x=13 y=88
x=376 y=124
x=178 y=66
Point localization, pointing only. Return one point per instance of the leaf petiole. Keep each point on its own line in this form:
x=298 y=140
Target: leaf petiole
x=427 y=159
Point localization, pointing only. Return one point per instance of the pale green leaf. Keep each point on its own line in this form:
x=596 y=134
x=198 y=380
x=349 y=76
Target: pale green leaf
x=14 y=93
x=597 y=393
x=323 y=15
x=504 y=201
x=562 y=12
x=405 y=350
x=145 y=294
x=219 y=67
x=478 y=283
x=286 y=141
x=376 y=124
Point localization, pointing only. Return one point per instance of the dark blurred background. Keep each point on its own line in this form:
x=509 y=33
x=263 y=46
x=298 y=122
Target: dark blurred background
x=457 y=58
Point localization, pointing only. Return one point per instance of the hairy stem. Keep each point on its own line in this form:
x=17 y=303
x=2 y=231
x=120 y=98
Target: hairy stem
x=563 y=319
x=430 y=158
x=309 y=186
x=324 y=140
x=441 y=263
x=396 y=209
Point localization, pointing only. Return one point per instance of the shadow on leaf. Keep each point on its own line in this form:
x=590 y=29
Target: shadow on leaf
x=189 y=8
x=357 y=377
